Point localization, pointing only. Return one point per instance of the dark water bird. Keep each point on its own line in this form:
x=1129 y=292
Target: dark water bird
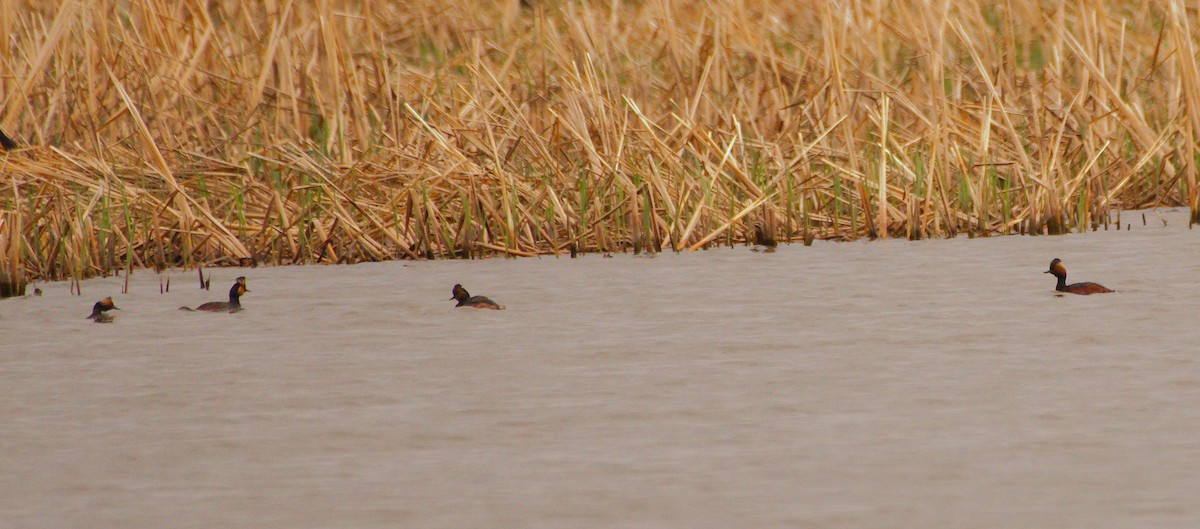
x=1060 y=271
x=233 y=305
x=7 y=142
x=99 y=310
x=465 y=299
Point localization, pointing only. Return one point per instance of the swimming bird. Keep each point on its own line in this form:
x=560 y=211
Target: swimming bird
x=465 y=299
x=1060 y=271
x=99 y=309
x=233 y=305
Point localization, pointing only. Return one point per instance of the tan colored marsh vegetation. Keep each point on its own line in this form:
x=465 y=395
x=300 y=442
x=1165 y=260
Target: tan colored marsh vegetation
x=179 y=132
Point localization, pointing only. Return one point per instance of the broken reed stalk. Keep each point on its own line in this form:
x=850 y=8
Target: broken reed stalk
x=12 y=273
x=334 y=131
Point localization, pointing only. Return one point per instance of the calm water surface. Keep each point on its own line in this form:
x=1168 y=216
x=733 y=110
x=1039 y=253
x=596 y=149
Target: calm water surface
x=885 y=384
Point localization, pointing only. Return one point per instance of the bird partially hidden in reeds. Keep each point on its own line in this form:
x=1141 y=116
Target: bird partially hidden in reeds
x=7 y=142
x=99 y=310
x=233 y=305
x=465 y=299
x=1060 y=271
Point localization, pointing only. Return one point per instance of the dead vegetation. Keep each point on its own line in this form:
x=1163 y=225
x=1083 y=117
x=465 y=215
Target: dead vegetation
x=160 y=133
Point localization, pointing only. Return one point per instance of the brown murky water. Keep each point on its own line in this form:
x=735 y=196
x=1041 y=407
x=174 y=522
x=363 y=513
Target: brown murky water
x=886 y=384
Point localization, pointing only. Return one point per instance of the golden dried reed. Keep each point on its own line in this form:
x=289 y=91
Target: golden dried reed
x=180 y=132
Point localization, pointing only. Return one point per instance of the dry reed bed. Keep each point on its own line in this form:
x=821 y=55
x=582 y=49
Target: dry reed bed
x=169 y=132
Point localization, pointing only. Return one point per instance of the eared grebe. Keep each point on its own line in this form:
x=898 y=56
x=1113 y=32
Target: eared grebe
x=465 y=299
x=7 y=142
x=1060 y=271
x=233 y=305
x=99 y=309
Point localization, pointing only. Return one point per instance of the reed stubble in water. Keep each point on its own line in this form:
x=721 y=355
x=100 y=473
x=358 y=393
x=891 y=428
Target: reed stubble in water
x=458 y=129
